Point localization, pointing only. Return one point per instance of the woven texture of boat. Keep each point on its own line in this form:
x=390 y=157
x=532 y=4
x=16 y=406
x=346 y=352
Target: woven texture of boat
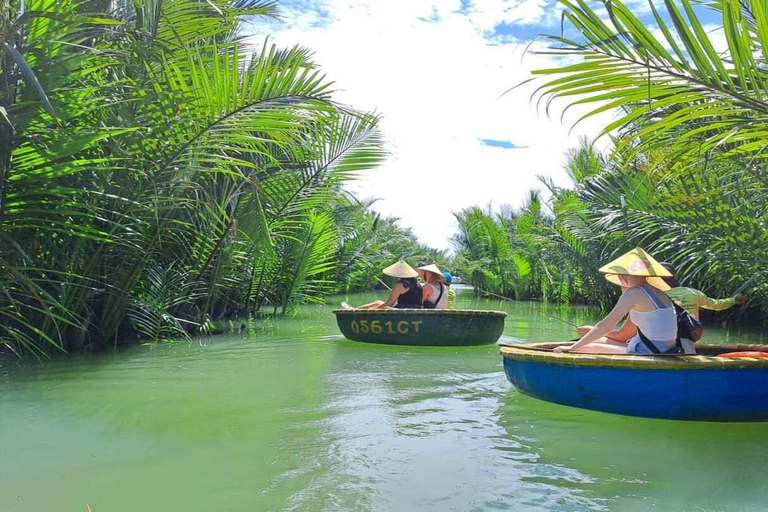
x=425 y=327
x=700 y=387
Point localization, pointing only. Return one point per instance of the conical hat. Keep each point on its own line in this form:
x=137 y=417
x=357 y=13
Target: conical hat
x=639 y=263
x=400 y=270
x=656 y=282
x=433 y=268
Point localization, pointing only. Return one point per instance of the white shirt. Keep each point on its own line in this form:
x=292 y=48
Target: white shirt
x=443 y=303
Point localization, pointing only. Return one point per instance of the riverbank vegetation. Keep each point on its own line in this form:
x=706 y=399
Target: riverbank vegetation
x=160 y=170
x=685 y=177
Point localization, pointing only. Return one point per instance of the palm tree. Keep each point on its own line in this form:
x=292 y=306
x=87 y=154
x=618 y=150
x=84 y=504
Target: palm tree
x=687 y=178
x=144 y=151
x=678 y=91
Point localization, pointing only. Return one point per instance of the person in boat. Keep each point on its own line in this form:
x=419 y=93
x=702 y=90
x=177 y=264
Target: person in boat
x=652 y=324
x=449 y=291
x=406 y=294
x=693 y=300
x=434 y=294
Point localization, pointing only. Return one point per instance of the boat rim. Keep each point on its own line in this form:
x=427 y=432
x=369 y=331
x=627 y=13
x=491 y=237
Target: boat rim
x=441 y=312
x=541 y=352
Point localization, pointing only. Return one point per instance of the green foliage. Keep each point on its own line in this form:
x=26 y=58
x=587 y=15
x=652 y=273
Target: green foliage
x=155 y=174
x=677 y=91
x=371 y=243
x=686 y=178
x=157 y=297
x=690 y=148
x=543 y=251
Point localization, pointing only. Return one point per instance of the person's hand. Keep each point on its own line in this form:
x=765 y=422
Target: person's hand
x=741 y=299
x=562 y=348
x=584 y=329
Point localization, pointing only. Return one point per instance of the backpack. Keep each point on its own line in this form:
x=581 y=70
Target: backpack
x=688 y=326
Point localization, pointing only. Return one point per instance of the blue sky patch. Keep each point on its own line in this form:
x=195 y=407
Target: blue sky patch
x=511 y=32
x=464 y=7
x=553 y=24
x=505 y=144
x=319 y=10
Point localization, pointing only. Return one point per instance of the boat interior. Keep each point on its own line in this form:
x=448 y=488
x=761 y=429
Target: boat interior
x=701 y=349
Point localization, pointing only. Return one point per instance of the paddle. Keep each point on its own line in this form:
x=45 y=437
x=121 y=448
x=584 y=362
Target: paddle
x=539 y=308
x=746 y=284
x=527 y=346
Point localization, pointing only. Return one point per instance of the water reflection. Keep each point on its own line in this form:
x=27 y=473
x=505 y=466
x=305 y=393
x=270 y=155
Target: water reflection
x=639 y=464
x=287 y=415
x=420 y=428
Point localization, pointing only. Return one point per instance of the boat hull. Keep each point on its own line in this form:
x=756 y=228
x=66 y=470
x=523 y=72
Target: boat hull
x=696 y=388
x=420 y=327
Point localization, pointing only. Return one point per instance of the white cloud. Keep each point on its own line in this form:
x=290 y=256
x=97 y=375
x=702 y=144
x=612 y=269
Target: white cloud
x=638 y=7
x=486 y=14
x=438 y=86
x=716 y=36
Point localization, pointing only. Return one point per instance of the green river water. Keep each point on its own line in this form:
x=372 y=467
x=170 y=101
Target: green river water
x=291 y=416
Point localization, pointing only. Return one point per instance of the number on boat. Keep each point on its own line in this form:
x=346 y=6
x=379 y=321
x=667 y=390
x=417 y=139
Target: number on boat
x=375 y=327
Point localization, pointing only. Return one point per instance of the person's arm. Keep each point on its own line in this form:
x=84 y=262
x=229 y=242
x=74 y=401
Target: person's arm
x=451 y=297
x=426 y=292
x=719 y=304
x=627 y=330
x=623 y=334
x=625 y=303
x=395 y=294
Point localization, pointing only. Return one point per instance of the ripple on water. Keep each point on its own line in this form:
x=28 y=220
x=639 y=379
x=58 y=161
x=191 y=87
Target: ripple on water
x=430 y=441
x=292 y=417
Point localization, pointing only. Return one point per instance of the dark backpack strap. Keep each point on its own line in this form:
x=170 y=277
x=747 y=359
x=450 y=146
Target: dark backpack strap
x=429 y=304
x=648 y=343
x=440 y=296
x=677 y=349
x=688 y=326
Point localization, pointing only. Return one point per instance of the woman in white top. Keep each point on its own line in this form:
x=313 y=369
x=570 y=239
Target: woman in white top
x=650 y=311
x=434 y=294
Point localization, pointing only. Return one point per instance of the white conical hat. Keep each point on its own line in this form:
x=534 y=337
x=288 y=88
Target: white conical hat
x=434 y=269
x=400 y=270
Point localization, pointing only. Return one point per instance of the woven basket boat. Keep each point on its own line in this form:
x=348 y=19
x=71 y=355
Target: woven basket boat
x=425 y=327
x=699 y=387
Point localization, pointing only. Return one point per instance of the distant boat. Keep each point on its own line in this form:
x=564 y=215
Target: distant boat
x=700 y=387
x=425 y=327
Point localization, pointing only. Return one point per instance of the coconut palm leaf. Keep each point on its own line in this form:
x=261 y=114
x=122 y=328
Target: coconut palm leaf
x=177 y=160
x=672 y=95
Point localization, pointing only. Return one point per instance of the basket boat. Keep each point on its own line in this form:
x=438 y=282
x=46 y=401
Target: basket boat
x=423 y=327
x=699 y=387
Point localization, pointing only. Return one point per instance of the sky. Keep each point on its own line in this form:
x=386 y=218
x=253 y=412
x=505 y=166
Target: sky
x=439 y=74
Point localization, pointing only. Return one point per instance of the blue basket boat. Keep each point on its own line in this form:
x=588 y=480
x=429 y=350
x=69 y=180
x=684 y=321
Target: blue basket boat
x=677 y=387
